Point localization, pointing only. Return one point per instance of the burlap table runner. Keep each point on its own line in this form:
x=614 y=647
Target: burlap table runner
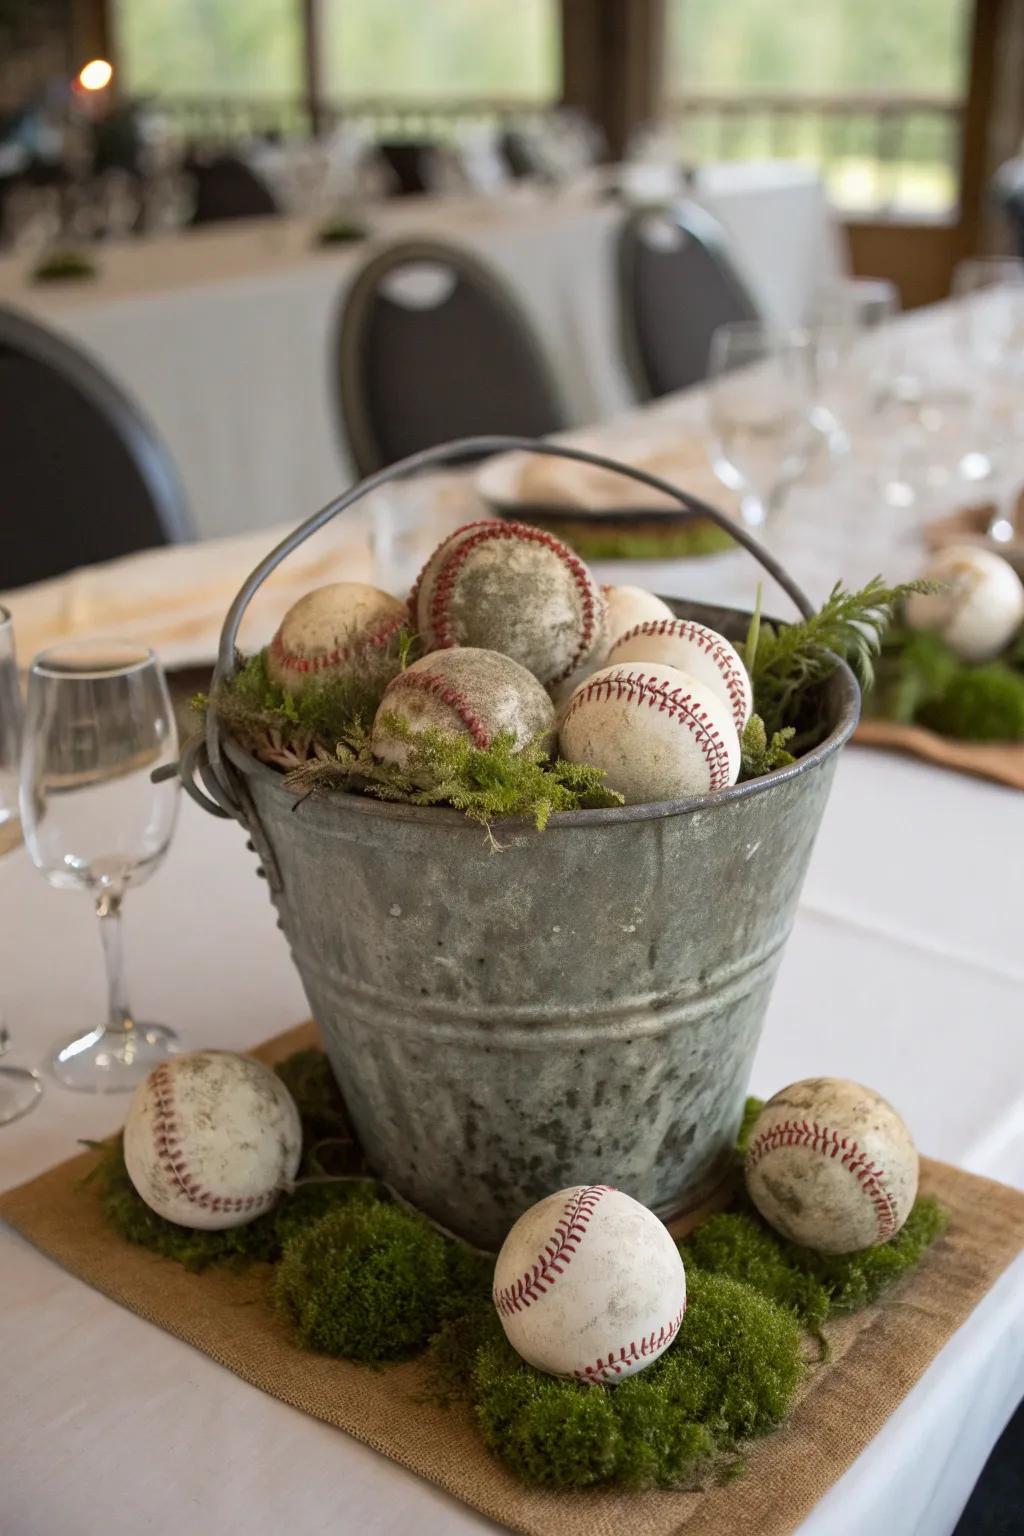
x=876 y=1356
x=1000 y=761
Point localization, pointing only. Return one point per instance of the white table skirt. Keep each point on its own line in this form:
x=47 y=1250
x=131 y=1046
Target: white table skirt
x=226 y=339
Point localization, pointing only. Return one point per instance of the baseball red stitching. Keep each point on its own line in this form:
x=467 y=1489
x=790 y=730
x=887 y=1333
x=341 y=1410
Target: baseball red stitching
x=414 y=595
x=172 y=1159
x=821 y=1138
x=707 y=641
x=376 y=635
x=676 y=702
x=558 y=1252
x=430 y=682
x=440 y=616
x=606 y=1368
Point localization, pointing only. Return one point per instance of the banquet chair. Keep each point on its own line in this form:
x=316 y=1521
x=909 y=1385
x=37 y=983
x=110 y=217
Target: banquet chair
x=85 y=478
x=414 y=165
x=227 y=188
x=431 y=346
x=677 y=284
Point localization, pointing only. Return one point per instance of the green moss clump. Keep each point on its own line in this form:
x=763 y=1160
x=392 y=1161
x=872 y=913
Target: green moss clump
x=329 y=1143
x=758 y=755
x=65 y=266
x=690 y=540
x=444 y=768
x=733 y=1243
x=286 y=729
x=736 y=1362
x=814 y=1286
x=367 y=1281
x=730 y=1374
x=854 y=1280
x=259 y=1241
x=921 y=681
x=979 y=704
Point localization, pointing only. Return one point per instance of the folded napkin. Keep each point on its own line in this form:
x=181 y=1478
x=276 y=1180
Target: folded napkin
x=175 y=599
x=1002 y=762
x=552 y=482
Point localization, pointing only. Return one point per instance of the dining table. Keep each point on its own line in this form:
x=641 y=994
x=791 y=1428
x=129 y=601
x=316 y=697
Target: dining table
x=226 y=335
x=904 y=971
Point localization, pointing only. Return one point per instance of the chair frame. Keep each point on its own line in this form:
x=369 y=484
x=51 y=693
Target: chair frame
x=693 y=222
x=353 y=410
x=24 y=334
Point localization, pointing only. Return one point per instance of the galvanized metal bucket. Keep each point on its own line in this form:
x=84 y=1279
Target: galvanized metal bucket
x=581 y=1007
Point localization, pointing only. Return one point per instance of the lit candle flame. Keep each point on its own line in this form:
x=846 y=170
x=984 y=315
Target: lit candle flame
x=96 y=75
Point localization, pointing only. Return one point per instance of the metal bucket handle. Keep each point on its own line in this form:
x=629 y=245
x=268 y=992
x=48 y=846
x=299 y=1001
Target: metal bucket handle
x=215 y=773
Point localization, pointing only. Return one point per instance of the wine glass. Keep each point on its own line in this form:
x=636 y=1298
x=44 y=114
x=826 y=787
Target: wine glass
x=99 y=722
x=759 y=411
x=19 y=1088
x=989 y=322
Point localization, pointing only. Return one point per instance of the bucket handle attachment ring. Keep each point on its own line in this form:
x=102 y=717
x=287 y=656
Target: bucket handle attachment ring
x=223 y=797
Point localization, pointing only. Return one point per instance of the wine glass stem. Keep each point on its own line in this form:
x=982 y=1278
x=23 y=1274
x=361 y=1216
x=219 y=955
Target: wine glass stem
x=108 y=910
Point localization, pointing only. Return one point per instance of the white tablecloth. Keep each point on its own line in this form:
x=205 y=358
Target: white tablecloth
x=226 y=338
x=904 y=970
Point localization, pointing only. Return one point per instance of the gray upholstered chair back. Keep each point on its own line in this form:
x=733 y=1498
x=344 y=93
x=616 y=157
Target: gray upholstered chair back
x=85 y=478
x=433 y=347
x=676 y=286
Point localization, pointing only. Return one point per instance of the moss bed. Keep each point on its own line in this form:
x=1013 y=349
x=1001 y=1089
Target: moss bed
x=364 y=1278
x=921 y=682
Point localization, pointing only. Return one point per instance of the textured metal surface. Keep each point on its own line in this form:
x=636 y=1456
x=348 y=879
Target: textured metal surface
x=582 y=1007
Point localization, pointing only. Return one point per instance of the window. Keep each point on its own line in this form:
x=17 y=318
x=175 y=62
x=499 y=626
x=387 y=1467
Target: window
x=219 y=48
x=441 y=49
x=871 y=90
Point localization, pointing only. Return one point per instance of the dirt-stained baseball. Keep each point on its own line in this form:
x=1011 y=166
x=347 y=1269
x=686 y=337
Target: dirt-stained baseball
x=469 y=691
x=657 y=732
x=507 y=587
x=627 y=606
x=693 y=648
x=334 y=631
x=980 y=607
x=832 y=1166
x=211 y=1139
x=589 y=1284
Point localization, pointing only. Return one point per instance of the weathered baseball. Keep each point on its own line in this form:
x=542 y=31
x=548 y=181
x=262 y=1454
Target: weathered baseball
x=211 y=1138
x=658 y=733
x=626 y=606
x=981 y=606
x=589 y=1284
x=832 y=1166
x=334 y=631
x=507 y=587
x=693 y=648
x=471 y=692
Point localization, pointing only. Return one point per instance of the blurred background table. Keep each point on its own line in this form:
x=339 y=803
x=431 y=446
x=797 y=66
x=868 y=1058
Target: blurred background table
x=226 y=337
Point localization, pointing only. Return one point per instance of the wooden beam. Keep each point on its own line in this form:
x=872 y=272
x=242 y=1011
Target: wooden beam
x=312 y=62
x=612 y=53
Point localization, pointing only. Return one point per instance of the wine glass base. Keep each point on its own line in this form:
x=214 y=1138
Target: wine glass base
x=20 y=1091
x=112 y=1060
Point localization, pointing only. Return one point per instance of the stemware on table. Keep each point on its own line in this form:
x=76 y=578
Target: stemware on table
x=989 y=323
x=98 y=723
x=759 y=402
x=19 y=1088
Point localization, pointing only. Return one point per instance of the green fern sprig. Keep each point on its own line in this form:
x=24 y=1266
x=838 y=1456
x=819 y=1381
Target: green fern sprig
x=787 y=662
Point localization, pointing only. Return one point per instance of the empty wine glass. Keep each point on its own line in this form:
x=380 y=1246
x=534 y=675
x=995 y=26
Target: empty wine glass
x=989 y=322
x=759 y=409
x=19 y=1088
x=99 y=722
